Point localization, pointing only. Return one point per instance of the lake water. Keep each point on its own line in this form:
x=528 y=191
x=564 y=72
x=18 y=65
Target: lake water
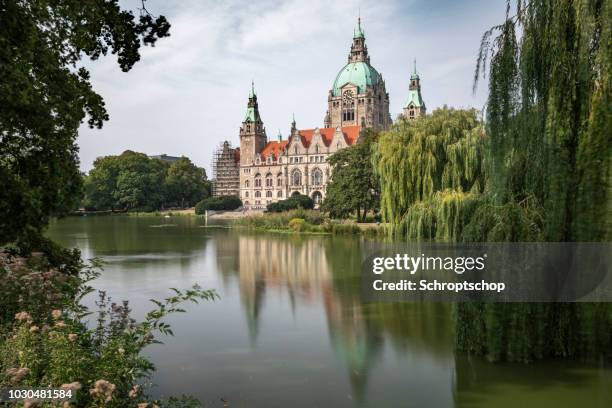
x=290 y=328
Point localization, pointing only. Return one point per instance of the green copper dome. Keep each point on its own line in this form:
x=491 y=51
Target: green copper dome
x=359 y=73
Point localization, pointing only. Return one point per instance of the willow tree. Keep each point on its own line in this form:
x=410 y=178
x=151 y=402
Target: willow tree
x=543 y=170
x=547 y=116
x=548 y=111
x=432 y=173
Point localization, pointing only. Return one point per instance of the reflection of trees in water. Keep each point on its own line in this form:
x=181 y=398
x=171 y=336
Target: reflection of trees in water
x=134 y=241
x=313 y=269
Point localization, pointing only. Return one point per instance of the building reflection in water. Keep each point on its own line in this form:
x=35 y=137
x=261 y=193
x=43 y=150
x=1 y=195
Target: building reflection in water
x=327 y=270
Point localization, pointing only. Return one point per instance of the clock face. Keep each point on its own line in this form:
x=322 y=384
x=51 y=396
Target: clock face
x=347 y=96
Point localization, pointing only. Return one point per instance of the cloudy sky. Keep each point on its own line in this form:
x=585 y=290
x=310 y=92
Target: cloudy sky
x=189 y=93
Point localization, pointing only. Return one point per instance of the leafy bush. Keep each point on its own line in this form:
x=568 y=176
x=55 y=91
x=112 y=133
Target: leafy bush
x=292 y=203
x=298 y=225
x=224 y=203
x=48 y=342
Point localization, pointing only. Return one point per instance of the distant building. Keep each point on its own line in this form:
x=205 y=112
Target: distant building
x=261 y=172
x=226 y=171
x=165 y=157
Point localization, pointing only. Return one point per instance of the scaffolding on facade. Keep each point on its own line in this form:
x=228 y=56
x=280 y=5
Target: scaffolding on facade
x=226 y=170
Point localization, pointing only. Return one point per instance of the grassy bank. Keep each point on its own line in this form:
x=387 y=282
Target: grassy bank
x=304 y=221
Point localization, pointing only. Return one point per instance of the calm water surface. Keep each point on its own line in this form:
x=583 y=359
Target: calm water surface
x=291 y=330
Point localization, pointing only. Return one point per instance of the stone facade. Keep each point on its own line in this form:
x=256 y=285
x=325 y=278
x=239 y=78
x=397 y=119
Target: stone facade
x=294 y=166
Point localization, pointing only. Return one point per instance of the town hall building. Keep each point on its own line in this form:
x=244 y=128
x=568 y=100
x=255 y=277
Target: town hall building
x=264 y=171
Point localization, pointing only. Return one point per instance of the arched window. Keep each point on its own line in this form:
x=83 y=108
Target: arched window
x=317 y=197
x=279 y=194
x=269 y=180
x=246 y=203
x=279 y=179
x=246 y=193
x=317 y=177
x=258 y=194
x=296 y=178
x=247 y=184
x=268 y=194
x=258 y=180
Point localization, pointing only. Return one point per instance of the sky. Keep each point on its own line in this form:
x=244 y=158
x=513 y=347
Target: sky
x=189 y=92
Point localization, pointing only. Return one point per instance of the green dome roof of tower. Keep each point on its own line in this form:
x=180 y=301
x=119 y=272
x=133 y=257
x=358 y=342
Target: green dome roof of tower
x=358 y=73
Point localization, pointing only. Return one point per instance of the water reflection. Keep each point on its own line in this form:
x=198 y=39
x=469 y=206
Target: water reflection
x=326 y=270
x=293 y=329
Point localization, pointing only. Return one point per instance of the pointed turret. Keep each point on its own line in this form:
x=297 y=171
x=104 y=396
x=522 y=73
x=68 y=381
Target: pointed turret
x=359 y=50
x=415 y=106
x=252 y=113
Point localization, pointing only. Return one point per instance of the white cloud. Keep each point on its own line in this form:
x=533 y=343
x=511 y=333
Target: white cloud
x=189 y=92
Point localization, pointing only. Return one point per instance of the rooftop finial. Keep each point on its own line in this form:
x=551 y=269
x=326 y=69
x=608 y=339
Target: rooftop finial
x=414 y=69
x=252 y=88
x=358 y=32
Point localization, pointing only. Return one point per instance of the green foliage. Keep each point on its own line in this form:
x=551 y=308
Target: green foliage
x=134 y=181
x=342 y=228
x=184 y=183
x=549 y=111
x=280 y=221
x=49 y=342
x=297 y=224
x=548 y=121
x=223 y=203
x=300 y=220
x=353 y=186
x=432 y=174
x=45 y=95
x=291 y=203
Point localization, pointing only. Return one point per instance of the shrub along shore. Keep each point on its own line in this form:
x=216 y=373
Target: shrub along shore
x=304 y=221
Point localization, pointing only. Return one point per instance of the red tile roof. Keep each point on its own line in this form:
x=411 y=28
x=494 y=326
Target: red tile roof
x=274 y=148
x=351 y=134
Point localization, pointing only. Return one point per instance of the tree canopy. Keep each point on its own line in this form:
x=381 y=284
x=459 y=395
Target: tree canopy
x=135 y=181
x=353 y=187
x=45 y=95
x=432 y=173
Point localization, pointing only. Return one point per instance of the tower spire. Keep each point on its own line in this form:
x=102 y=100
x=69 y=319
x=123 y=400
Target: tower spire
x=252 y=93
x=414 y=68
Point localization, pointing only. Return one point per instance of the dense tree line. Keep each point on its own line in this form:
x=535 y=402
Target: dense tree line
x=135 y=181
